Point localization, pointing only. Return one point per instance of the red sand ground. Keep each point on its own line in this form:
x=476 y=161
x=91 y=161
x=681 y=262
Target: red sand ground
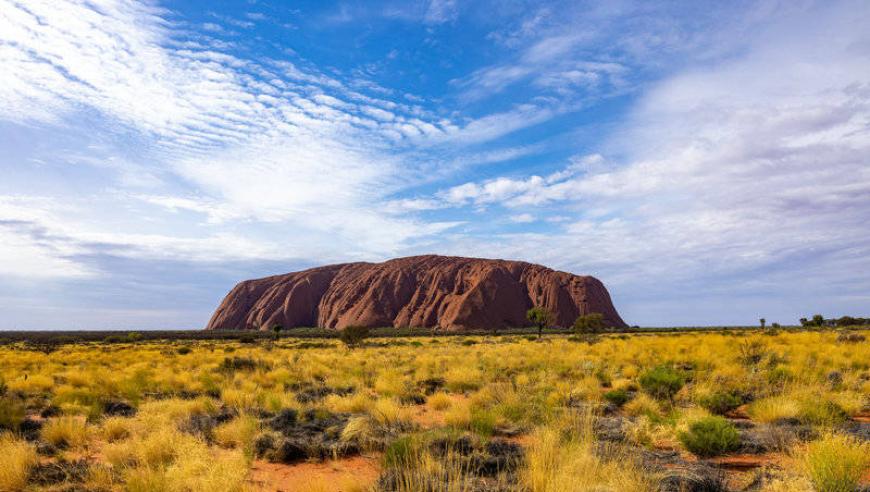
x=345 y=475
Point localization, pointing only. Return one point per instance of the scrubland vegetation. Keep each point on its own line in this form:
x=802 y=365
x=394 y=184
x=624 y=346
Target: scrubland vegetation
x=767 y=411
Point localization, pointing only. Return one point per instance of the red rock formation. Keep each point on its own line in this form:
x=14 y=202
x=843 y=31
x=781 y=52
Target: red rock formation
x=448 y=293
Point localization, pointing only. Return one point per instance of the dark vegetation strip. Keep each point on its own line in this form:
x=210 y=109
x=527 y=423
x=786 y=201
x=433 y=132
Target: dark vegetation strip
x=126 y=336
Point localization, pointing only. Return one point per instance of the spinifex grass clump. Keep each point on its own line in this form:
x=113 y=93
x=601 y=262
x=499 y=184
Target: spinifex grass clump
x=720 y=402
x=618 y=397
x=17 y=457
x=66 y=431
x=836 y=463
x=563 y=457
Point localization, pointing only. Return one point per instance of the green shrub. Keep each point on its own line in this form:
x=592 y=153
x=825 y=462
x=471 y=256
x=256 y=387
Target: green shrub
x=352 y=336
x=232 y=364
x=710 y=436
x=589 y=323
x=618 y=397
x=483 y=422
x=779 y=376
x=720 y=402
x=662 y=382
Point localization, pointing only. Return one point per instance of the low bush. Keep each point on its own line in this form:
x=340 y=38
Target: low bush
x=720 y=402
x=822 y=412
x=618 y=397
x=710 y=436
x=232 y=364
x=663 y=382
x=483 y=422
x=836 y=463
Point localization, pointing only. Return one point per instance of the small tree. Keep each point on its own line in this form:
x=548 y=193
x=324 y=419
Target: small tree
x=818 y=320
x=589 y=323
x=763 y=322
x=539 y=317
x=276 y=329
x=352 y=336
x=775 y=326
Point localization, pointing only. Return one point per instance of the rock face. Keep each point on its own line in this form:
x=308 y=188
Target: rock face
x=446 y=293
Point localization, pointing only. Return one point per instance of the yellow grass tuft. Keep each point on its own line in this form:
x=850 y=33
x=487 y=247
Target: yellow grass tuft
x=836 y=463
x=66 y=431
x=17 y=457
x=238 y=433
x=439 y=401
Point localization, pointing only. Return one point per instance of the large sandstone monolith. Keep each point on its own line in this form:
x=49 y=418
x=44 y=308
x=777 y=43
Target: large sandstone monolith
x=443 y=292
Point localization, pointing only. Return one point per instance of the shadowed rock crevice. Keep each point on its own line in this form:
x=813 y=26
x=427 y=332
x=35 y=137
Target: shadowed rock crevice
x=447 y=293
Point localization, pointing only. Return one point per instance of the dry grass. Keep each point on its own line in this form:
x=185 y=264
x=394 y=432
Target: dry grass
x=490 y=384
x=66 y=431
x=562 y=458
x=439 y=401
x=238 y=433
x=116 y=428
x=836 y=463
x=17 y=457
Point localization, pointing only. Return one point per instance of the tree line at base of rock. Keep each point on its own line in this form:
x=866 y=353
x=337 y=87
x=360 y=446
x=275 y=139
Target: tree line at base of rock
x=584 y=324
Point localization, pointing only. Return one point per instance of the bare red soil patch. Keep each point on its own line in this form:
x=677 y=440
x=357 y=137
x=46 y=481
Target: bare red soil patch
x=738 y=413
x=344 y=475
x=429 y=418
x=740 y=462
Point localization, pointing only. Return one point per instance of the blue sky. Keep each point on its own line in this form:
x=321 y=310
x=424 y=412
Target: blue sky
x=709 y=161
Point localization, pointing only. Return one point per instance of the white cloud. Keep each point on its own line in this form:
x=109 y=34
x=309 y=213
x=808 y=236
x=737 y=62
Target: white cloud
x=440 y=11
x=522 y=218
x=734 y=167
x=269 y=142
